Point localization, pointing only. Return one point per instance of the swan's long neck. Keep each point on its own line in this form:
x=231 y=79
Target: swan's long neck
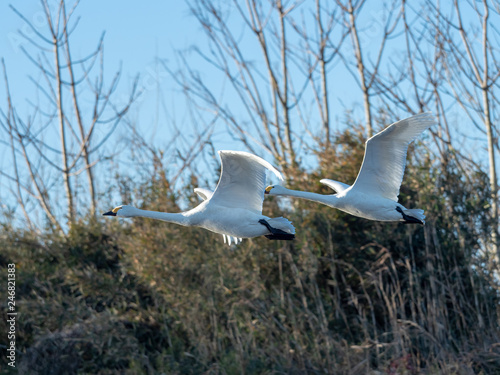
x=177 y=218
x=329 y=200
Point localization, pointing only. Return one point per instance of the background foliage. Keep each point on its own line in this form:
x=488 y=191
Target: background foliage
x=348 y=296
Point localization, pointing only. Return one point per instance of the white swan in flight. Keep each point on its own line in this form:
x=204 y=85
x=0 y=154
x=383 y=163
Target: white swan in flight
x=205 y=194
x=234 y=209
x=374 y=194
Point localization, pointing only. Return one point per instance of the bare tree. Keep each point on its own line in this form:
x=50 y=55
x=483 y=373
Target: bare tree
x=64 y=84
x=271 y=85
x=473 y=71
x=227 y=56
x=367 y=70
x=15 y=132
x=321 y=46
x=413 y=81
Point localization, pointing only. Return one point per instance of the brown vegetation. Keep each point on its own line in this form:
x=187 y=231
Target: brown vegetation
x=349 y=296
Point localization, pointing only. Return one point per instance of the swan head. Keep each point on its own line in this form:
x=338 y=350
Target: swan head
x=122 y=211
x=276 y=190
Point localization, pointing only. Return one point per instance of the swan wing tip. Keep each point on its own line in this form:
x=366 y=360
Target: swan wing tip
x=258 y=159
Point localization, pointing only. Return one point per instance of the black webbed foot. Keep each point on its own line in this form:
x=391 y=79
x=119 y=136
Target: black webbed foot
x=409 y=219
x=281 y=236
x=276 y=234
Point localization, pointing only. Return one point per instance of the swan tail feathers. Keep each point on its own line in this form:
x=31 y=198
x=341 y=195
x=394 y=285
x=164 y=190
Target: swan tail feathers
x=416 y=212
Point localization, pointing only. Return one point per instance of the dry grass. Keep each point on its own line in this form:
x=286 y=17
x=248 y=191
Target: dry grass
x=347 y=297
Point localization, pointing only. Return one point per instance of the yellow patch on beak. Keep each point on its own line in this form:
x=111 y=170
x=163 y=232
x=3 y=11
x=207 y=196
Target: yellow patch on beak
x=268 y=189
x=116 y=209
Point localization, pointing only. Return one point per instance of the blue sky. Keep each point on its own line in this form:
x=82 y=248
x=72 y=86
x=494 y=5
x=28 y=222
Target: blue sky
x=134 y=36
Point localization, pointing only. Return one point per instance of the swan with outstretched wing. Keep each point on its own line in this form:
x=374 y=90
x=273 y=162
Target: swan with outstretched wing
x=234 y=209
x=374 y=194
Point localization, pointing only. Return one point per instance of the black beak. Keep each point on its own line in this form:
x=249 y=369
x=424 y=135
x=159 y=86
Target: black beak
x=109 y=213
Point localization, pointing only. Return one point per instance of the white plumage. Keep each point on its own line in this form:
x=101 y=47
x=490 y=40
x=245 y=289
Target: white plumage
x=374 y=194
x=385 y=156
x=206 y=194
x=234 y=209
x=203 y=193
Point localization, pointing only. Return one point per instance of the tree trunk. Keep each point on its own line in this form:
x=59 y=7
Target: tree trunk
x=83 y=136
x=493 y=174
x=284 y=96
x=62 y=134
x=361 y=70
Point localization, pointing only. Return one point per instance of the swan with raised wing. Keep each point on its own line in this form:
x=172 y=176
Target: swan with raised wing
x=234 y=209
x=374 y=194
